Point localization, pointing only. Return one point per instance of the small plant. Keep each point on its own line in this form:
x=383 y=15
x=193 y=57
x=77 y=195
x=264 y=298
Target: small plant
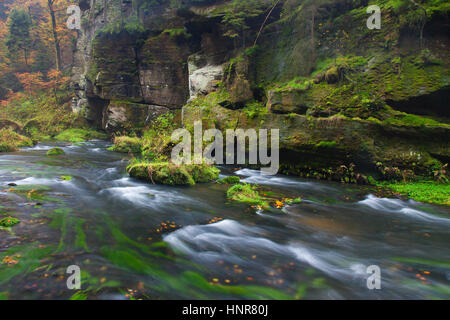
x=8 y=222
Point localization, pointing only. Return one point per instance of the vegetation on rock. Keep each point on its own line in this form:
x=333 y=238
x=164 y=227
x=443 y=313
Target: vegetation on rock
x=230 y=180
x=80 y=135
x=11 y=141
x=246 y=193
x=127 y=145
x=8 y=222
x=171 y=174
x=55 y=152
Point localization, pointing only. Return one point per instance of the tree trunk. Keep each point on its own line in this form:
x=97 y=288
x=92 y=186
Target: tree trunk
x=55 y=35
x=25 y=55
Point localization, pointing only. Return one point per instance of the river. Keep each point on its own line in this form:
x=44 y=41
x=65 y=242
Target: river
x=133 y=240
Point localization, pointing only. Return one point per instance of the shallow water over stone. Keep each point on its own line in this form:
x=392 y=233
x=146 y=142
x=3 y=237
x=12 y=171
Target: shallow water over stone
x=137 y=240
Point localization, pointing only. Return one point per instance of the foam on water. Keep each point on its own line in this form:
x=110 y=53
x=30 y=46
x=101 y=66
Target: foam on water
x=399 y=207
x=224 y=240
x=37 y=147
x=145 y=196
x=255 y=176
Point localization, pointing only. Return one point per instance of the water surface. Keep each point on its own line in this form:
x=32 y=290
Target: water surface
x=134 y=240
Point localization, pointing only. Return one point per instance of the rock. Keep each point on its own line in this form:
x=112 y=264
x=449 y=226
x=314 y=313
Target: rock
x=204 y=80
x=237 y=84
x=204 y=74
x=123 y=116
x=171 y=174
x=12 y=184
x=246 y=193
x=240 y=92
x=332 y=75
x=289 y=101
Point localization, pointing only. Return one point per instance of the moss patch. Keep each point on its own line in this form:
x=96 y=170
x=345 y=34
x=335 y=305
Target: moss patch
x=127 y=144
x=8 y=222
x=230 y=180
x=171 y=174
x=12 y=141
x=427 y=191
x=246 y=193
x=80 y=135
x=55 y=152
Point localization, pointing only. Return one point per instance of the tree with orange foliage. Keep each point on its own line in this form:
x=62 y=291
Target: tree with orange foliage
x=31 y=82
x=56 y=81
x=51 y=29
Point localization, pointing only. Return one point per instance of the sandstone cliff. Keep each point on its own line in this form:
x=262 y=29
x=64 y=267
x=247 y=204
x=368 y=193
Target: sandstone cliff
x=340 y=92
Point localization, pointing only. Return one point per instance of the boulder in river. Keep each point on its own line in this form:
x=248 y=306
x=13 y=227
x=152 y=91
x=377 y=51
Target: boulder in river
x=171 y=174
x=55 y=152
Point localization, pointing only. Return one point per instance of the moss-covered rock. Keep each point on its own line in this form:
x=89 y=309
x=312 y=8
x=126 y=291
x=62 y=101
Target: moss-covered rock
x=246 y=193
x=171 y=174
x=290 y=100
x=12 y=141
x=8 y=222
x=127 y=144
x=325 y=148
x=55 y=152
x=230 y=180
x=80 y=135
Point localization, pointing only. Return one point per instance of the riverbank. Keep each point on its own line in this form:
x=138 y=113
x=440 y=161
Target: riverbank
x=425 y=191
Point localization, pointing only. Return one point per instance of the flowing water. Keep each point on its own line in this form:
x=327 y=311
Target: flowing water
x=135 y=240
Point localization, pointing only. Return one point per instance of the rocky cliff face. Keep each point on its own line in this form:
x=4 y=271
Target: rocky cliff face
x=337 y=88
x=136 y=57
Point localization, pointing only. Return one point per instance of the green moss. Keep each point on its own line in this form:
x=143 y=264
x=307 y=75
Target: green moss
x=55 y=152
x=171 y=174
x=80 y=135
x=8 y=222
x=230 y=180
x=180 y=32
x=127 y=145
x=430 y=192
x=413 y=121
x=157 y=140
x=246 y=193
x=326 y=144
x=294 y=201
x=11 y=141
